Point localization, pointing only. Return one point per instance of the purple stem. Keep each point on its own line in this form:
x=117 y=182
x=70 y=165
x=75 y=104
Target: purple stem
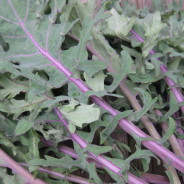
x=156 y=179
x=148 y=124
x=128 y=126
x=47 y=38
x=69 y=151
x=177 y=92
x=22 y=55
x=69 y=177
x=101 y=159
x=177 y=148
x=150 y=178
x=9 y=20
x=7 y=161
x=174 y=144
x=45 y=120
x=27 y=11
x=13 y=37
x=179 y=130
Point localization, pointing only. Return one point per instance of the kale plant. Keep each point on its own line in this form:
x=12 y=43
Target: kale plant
x=75 y=73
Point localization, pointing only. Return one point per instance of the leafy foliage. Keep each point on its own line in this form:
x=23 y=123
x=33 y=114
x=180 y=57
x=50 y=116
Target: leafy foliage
x=95 y=42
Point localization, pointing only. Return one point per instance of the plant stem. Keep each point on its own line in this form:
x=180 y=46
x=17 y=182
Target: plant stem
x=150 y=178
x=135 y=104
x=69 y=151
x=6 y=161
x=137 y=107
x=180 y=131
x=152 y=130
x=156 y=179
x=173 y=141
x=68 y=177
x=100 y=158
x=176 y=91
x=128 y=126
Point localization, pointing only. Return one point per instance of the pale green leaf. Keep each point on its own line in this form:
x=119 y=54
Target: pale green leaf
x=119 y=25
x=11 y=88
x=125 y=69
x=10 y=179
x=97 y=150
x=152 y=32
x=79 y=114
x=23 y=126
x=71 y=127
x=96 y=83
x=112 y=124
x=70 y=107
x=93 y=173
x=88 y=23
x=139 y=153
x=170 y=131
x=91 y=67
x=173 y=107
x=148 y=102
x=65 y=162
x=83 y=114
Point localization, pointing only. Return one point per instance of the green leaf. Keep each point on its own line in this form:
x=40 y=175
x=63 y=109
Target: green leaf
x=34 y=141
x=144 y=78
x=23 y=126
x=15 y=150
x=171 y=75
x=70 y=107
x=122 y=72
x=71 y=127
x=17 y=107
x=91 y=67
x=6 y=125
x=10 y=179
x=85 y=33
x=11 y=88
x=169 y=174
x=117 y=178
x=112 y=124
x=97 y=150
x=49 y=131
x=82 y=114
x=96 y=83
x=118 y=25
x=65 y=162
x=151 y=33
x=148 y=103
x=139 y=154
x=170 y=131
x=173 y=107
x=93 y=173
x=107 y=54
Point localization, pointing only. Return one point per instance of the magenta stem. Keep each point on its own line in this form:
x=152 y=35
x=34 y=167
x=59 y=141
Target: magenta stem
x=179 y=130
x=69 y=177
x=176 y=91
x=150 y=178
x=7 y=161
x=177 y=148
x=69 y=151
x=128 y=126
x=103 y=161
x=156 y=179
